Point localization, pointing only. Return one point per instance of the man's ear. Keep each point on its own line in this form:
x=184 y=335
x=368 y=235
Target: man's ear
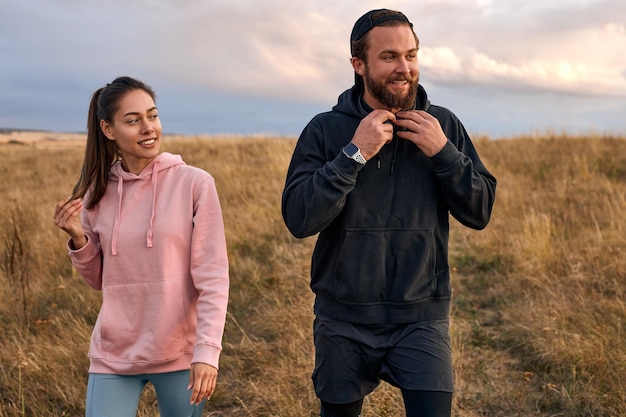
x=107 y=129
x=358 y=65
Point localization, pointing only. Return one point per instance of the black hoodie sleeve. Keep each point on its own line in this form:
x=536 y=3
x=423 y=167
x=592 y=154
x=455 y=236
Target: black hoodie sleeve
x=468 y=188
x=318 y=180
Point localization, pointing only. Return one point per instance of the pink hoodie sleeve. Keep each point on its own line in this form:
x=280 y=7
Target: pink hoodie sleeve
x=209 y=272
x=88 y=259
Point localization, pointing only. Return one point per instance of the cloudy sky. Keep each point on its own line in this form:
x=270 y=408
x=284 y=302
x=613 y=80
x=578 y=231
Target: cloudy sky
x=505 y=67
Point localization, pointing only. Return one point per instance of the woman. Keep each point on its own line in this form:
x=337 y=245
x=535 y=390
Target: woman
x=146 y=229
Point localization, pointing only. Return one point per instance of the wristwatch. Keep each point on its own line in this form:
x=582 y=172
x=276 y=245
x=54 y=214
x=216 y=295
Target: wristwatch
x=352 y=151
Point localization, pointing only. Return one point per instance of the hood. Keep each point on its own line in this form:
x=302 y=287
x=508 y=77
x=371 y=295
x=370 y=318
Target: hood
x=151 y=172
x=350 y=102
x=162 y=162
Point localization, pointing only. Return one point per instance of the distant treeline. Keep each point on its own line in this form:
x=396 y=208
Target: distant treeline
x=9 y=130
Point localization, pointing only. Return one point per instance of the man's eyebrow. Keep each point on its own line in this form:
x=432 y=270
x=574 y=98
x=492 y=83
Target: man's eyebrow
x=393 y=51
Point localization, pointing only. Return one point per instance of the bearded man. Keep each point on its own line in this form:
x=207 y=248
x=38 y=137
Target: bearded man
x=377 y=178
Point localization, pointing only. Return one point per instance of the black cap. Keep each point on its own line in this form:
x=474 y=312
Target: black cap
x=375 y=18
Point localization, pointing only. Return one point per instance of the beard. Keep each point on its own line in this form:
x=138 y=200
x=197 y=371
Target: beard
x=379 y=90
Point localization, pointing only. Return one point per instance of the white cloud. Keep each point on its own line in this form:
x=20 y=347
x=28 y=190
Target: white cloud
x=301 y=48
x=614 y=28
x=445 y=65
x=552 y=47
x=441 y=59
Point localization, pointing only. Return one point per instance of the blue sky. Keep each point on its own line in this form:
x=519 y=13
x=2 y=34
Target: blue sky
x=505 y=67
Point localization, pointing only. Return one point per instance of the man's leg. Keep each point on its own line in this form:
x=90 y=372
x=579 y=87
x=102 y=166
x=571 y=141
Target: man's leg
x=342 y=410
x=427 y=403
x=347 y=362
x=420 y=364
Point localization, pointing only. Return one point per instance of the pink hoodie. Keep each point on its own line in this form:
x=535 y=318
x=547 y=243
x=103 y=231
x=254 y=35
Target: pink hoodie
x=156 y=249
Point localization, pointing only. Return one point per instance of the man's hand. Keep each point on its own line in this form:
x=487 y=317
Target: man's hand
x=423 y=130
x=202 y=381
x=373 y=133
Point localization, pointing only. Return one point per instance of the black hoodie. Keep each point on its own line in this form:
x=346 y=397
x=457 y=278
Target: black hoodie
x=382 y=251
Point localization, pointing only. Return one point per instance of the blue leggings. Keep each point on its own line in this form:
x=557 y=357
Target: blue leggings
x=118 y=395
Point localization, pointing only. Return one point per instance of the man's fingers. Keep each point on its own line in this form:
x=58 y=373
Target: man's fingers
x=383 y=116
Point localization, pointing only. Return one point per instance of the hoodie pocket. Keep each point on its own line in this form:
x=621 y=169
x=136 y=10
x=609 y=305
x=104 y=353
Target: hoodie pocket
x=386 y=265
x=143 y=322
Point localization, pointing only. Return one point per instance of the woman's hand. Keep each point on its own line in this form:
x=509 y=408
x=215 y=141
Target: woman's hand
x=67 y=218
x=202 y=381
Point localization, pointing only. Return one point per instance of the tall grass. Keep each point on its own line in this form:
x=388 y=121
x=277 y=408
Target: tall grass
x=538 y=316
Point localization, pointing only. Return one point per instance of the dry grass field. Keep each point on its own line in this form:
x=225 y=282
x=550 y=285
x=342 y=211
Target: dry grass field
x=539 y=310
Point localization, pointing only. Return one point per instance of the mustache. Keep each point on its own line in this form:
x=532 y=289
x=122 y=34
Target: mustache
x=404 y=78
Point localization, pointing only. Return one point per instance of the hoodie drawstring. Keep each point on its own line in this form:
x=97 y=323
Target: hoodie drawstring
x=155 y=170
x=118 y=216
x=393 y=160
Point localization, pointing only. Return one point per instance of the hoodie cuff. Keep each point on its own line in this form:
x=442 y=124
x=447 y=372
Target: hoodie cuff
x=72 y=248
x=207 y=354
x=83 y=256
x=346 y=167
x=446 y=157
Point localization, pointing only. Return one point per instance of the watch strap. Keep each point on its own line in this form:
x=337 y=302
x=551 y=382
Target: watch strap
x=359 y=158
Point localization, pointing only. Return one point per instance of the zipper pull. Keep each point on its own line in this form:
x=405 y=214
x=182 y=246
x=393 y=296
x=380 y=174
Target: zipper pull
x=378 y=159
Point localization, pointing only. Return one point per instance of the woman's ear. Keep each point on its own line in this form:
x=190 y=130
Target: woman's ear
x=107 y=129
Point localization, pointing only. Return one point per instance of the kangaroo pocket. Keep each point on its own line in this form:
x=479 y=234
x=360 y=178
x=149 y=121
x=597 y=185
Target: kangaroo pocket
x=386 y=264
x=143 y=322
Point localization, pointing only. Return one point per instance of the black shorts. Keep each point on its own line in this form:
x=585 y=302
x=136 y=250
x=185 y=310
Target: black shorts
x=351 y=359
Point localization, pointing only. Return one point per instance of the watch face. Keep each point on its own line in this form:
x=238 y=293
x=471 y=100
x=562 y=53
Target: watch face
x=350 y=149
